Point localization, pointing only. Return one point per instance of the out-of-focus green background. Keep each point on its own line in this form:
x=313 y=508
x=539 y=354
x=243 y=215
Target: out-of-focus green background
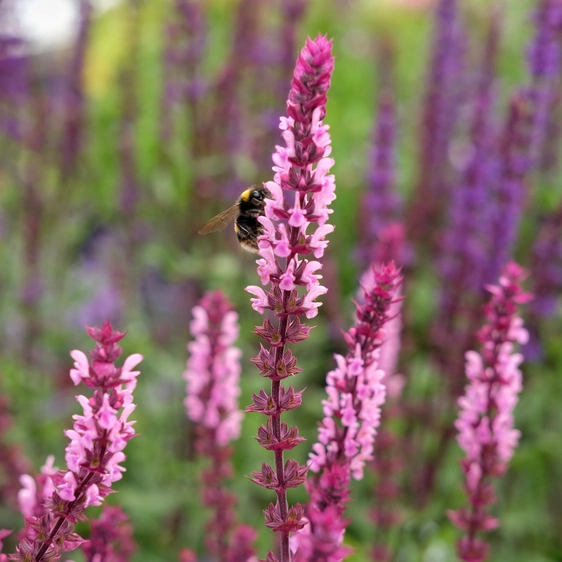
x=144 y=266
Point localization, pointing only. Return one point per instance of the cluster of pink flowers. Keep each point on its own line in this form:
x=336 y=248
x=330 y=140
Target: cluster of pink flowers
x=352 y=414
x=94 y=454
x=212 y=375
x=485 y=423
x=213 y=369
x=355 y=388
x=300 y=194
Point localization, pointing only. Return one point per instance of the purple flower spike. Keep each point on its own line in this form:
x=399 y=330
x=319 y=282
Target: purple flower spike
x=439 y=115
x=212 y=375
x=382 y=204
x=356 y=392
x=300 y=194
x=544 y=64
x=95 y=452
x=509 y=196
x=485 y=422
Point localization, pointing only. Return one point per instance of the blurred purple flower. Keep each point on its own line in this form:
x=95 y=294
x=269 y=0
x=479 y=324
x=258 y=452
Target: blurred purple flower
x=95 y=451
x=74 y=118
x=544 y=65
x=185 y=37
x=485 y=422
x=508 y=197
x=463 y=257
x=300 y=194
x=111 y=537
x=14 y=69
x=547 y=266
x=381 y=205
x=444 y=83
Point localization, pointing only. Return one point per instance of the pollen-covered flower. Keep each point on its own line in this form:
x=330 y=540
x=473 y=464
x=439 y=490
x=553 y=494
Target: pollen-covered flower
x=295 y=228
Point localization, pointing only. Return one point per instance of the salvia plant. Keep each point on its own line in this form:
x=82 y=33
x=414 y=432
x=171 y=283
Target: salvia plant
x=389 y=441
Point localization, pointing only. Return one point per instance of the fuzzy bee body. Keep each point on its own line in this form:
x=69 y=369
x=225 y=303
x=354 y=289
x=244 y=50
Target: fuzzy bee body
x=245 y=213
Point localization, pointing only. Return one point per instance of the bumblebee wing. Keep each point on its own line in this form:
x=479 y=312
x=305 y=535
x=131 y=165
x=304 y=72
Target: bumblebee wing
x=220 y=221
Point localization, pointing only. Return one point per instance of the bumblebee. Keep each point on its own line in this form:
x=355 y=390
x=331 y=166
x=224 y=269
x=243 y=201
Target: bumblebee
x=245 y=213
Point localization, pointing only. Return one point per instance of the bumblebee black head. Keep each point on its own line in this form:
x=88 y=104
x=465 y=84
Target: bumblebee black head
x=257 y=195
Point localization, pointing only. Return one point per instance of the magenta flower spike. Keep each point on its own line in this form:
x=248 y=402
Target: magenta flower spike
x=485 y=422
x=300 y=194
x=212 y=375
x=346 y=436
x=95 y=452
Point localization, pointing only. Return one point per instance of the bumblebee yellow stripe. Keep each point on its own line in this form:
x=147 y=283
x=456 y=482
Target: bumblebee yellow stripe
x=246 y=195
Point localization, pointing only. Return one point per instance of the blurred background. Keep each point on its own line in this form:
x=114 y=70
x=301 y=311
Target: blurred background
x=124 y=125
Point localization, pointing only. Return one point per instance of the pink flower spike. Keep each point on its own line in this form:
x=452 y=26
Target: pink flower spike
x=212 y=375
x=485 y=422
x=91 y=458
x=346 y=435
x=300 y=171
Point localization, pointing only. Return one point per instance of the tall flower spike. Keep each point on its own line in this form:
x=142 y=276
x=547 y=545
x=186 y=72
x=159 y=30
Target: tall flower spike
x=212 y=375
x=439 y=115
x=300 y=194
x=95 y=452
x=509 y=195
x=382 y=204
x=485 y=423
x=346 y=436
x=544 y=64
